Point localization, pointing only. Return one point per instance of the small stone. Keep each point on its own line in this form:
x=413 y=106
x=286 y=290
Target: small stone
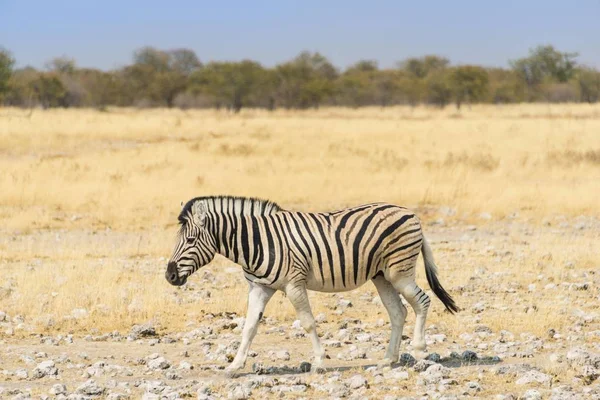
x=357 y=381
x=305 y=366
x=282 y=355
x=473 y=387
x=532 y=394
x=435 y=357
x=321 y=318
x=143 y=330
x=172 y=375
x=469 y=355
x=239 y=393
x=57 y=389
x=185 y=365
x=397 y=375
x=90 y=388
x=21 y=373
x=422 y=365
x=406 y=359
x=44 y=368
x=158 y=363
x=534 y=376
x=343 y=303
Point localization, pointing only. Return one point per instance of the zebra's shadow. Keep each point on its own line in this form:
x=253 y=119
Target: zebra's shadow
x=304 y=368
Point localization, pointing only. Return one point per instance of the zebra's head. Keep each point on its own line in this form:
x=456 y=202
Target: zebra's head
x=195 y=245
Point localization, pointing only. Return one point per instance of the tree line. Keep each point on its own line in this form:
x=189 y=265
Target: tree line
x=177 y=78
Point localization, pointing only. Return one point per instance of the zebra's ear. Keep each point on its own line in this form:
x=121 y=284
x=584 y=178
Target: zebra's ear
x=199 y=211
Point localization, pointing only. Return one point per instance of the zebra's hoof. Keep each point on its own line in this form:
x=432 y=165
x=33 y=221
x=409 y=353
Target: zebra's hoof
x=386 y=362
x=231 y=373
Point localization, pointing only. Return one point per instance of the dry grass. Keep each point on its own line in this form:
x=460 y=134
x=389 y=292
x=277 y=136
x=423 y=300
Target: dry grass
x=69 y=175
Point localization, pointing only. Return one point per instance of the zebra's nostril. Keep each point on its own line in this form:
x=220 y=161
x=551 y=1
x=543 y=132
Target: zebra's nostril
x=173 y=277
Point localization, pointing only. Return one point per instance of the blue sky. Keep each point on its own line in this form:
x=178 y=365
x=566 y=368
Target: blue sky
x=104 y=34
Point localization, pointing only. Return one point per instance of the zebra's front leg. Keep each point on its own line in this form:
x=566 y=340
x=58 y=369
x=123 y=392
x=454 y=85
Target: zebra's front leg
x=258 y=297
x=299 y=299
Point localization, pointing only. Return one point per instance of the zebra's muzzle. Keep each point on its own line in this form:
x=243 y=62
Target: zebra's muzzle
x=172 y=275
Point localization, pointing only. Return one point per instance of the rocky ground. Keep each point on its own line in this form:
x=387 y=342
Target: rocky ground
x=529 y=328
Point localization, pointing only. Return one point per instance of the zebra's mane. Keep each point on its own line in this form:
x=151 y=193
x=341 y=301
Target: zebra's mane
x=243 y=205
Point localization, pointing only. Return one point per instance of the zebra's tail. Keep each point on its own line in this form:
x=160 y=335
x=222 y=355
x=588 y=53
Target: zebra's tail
x=432 y=279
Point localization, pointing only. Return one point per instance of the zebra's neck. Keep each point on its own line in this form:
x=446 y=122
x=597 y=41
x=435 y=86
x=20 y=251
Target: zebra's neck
x=229 y=216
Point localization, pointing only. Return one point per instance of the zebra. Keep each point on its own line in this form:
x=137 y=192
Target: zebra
x=291 y=251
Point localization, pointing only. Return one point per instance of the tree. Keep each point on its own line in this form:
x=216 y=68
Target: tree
x=159 y=76
x=230 y=84
x=62 y=65
x=306 y=81
x=184 y=61
x=387 y=87
x=468 y=83
x=421 y=67
x=49 y=90
x=439 y=91
x=544 y=64
x=589 y=84
x=6 y=66
x=21 y=92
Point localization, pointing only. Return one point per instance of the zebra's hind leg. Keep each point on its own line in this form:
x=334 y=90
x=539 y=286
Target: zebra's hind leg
x=419 y=301
x=397 y=313
x=258 y=297
x=299 y=298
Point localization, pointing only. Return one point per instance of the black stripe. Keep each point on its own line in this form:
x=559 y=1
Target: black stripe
x=406 y=246
x=314 y=241
x=245 y=241
x=359 y=237
x=325 y=243
x=281 y=251
x=288 y=232
x=270 y=247
x=338 y=240
x=256 y=243
x=388 y=231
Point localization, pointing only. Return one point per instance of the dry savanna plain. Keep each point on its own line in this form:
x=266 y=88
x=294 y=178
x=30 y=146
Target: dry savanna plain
x=508 y=197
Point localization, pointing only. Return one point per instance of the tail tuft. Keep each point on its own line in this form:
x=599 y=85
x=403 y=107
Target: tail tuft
x=432 y=279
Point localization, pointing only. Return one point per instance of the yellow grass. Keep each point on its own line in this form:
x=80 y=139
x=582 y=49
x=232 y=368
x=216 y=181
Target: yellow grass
x=89 y=199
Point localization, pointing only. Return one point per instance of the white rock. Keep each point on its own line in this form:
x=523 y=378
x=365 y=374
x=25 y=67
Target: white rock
x=532 y=394
x=185 y=365
x=364 y=337
x=396 y=375
x=534 y=376
x=343 y=303
x=357 y=381
x=90 y=388
x=239 y=393
x=44 y=368
x=158 y=363
x=282 y=355
x=57 y=389
x=21 y=373
x=435 y=374
x=321 y=318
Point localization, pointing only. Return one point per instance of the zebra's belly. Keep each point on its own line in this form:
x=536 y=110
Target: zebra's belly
x=315 y=283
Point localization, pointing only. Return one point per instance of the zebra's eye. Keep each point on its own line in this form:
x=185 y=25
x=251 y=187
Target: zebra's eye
x=191 y=239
